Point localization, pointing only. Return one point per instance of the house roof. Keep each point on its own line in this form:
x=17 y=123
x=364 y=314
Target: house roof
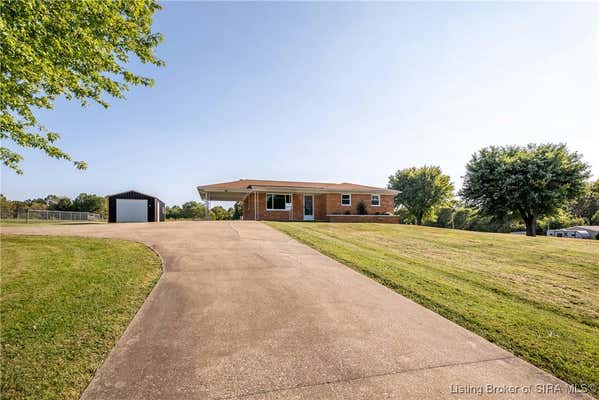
x=243 y=186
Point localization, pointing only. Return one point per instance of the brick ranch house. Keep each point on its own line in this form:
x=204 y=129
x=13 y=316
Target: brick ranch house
x=304 y=201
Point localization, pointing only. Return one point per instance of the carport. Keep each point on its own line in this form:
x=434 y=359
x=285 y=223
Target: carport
x=217 y=192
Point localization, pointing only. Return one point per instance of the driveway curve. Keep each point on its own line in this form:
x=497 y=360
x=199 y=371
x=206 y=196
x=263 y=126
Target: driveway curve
x=242 y=311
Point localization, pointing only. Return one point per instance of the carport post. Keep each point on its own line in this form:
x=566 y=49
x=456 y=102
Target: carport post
x=207 y=206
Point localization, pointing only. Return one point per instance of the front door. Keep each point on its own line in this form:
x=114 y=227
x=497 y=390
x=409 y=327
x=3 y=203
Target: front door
x=308 y=207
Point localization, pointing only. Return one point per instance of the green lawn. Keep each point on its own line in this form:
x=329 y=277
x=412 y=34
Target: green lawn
x=536 y=297
x=64 y=304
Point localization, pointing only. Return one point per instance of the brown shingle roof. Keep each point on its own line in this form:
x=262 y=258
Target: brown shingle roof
x=248 y=184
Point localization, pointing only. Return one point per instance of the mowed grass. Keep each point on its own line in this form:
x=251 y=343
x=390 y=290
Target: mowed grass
x=536 y=297
x=64 y=303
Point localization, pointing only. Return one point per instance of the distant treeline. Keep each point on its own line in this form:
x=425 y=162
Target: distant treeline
x=84 y=202
x=97 y=204
x=195 y=210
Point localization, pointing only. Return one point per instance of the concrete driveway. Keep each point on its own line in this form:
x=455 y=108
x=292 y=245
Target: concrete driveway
x=243 y=311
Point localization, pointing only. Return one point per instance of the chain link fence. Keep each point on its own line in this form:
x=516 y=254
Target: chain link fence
x=26 y=216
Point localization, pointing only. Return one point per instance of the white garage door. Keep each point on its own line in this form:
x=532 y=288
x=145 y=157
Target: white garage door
x=129 y=210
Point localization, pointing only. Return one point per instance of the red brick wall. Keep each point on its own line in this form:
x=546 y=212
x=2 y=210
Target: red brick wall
x=334 y=206
x=324 y=205
x=320 y=211
x=298 y=206
x=263 y=213
x=320 y=207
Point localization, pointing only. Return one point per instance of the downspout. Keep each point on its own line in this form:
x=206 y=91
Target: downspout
x=291 y=208
x=255 y=206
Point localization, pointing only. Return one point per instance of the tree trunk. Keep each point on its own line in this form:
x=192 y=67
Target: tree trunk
x=531 y=225
x=419 y=219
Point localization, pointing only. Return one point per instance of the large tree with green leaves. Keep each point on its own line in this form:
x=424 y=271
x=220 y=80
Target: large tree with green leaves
x=193 y=210
x=237 y=210
x=587 y=205
x=78 y=49
x=532 y=181
x=218 y=213
x=422 y=189
x=90 y=203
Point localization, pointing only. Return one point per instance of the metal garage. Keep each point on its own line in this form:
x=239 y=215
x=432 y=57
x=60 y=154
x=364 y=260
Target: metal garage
x=132 y=206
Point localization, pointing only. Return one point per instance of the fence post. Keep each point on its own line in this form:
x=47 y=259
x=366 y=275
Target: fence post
x=27 y=216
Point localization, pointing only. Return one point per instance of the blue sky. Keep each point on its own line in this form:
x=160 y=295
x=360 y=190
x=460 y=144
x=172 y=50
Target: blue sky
x=339 y=92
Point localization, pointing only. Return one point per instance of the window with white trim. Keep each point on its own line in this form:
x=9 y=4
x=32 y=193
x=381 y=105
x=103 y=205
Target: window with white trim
x=375 y=199
x=346 y=199
x=275 y=201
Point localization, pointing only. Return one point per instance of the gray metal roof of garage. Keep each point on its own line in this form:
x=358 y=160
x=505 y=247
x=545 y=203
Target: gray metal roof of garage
x=134 y=191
